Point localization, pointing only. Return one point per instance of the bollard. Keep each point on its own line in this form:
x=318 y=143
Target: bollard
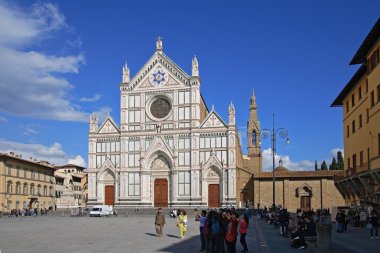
x=324 y=237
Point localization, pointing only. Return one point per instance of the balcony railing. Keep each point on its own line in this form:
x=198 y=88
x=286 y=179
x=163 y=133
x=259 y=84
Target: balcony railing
x=353 y=171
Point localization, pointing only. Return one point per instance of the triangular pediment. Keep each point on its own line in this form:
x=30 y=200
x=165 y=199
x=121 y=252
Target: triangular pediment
x=108 y=126
x=213 y=161
x=213 y=120
x=157 y=147
x=159 y=72
x=107 y=168
x=159 y=144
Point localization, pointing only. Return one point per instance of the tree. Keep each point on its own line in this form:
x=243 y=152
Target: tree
x=333 y=165
x=340 y=161
x=316 y=165
x=324 y=166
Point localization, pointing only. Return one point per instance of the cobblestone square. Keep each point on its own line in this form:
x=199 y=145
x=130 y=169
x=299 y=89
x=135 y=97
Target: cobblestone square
x=136 y=234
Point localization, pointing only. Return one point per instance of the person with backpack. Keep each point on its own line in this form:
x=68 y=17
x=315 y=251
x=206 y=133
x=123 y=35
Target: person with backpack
x=206 y=231
x=216 y=232
x=231 y=232
x=202 y=223
x=243 y=224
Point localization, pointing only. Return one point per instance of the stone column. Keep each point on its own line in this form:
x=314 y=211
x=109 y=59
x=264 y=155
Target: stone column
x=324 y=237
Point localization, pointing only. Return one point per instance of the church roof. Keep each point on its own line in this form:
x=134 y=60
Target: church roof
x=281 y=168
x=299 y=174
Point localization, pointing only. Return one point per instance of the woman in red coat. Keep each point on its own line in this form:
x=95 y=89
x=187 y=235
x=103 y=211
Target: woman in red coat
x=231 y=233
x=243 y=232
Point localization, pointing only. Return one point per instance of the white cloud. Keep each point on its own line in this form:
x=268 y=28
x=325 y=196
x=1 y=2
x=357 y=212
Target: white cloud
x=78 y=160
x=293 y=165
x=31 y=83
x=3 y=119
x=29 y=130
x=53 y=153
x=95 y=98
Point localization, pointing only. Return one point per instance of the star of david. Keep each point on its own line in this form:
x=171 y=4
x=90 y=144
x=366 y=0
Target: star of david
x=159 y=77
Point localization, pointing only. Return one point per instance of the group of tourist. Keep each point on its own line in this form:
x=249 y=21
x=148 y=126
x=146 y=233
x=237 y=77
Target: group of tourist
x=26 y=212
x=300 y=227
x=218 y=229
x=359 y=218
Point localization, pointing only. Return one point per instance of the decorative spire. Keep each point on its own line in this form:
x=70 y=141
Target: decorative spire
x=231 y=114
x=253 y=100
x=195 y=67
x=93 y=123
x=159 y=46
x=126 y=74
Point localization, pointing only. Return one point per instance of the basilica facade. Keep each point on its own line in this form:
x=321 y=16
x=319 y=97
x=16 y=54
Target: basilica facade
x=169 y=150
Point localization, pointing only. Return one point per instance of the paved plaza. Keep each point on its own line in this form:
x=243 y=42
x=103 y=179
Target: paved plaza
x=136 y=234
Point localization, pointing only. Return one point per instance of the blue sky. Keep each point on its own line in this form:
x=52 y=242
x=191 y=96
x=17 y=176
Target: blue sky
x=62 y=60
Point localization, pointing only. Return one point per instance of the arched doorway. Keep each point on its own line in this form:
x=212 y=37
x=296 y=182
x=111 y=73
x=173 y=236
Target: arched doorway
x=160 y=171
x=108 y=181
x=213 y=180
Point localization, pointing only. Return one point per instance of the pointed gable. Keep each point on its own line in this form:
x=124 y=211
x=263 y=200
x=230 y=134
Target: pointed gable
x=213 y=120
x=109 y=126
x=162 y=67
x=159 y=144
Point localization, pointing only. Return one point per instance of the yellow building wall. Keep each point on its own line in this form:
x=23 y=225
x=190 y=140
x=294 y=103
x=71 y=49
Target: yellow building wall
x=8 y=200
x=367 y=136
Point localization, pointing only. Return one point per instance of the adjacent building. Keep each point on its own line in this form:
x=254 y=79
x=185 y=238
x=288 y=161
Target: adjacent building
x=170 y=149
x=306 y=190
x=25 y=183
x=360 y=101
x=71 y=186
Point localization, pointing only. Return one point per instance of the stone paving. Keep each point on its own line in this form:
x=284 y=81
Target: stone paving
x=136 y=234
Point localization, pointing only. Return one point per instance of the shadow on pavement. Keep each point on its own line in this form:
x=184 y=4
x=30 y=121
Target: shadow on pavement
x=191 y=244
x=151 y=234
x=173 y=236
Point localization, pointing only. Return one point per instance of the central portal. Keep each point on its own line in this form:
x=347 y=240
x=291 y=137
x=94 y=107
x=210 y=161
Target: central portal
x=160 y=192
x=213 y=195
x=109 y=195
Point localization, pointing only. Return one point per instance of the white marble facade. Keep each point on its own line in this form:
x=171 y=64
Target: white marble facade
x=166 y=133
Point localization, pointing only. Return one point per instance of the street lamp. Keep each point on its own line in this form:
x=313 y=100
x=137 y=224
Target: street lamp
x=282 y=133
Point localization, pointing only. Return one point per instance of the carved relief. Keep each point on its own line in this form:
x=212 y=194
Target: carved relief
x=160 y=163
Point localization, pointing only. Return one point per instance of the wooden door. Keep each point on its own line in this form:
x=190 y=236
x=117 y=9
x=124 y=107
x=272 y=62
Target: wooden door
x=109 y=195
x=213 y=195
x=161 y=193
x=305 y=203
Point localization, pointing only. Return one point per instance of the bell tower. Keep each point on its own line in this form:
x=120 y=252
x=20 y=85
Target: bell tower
x=253 y=129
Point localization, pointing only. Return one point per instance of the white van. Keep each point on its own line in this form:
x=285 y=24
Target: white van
x=99 y=211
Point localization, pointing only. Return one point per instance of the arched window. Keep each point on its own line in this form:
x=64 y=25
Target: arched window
x=25 y=190
x=31 y=189
x=9 y=187
x=18 y=188
x=39 y=189
x=45 y=190
x=254 y=137
x=51 y=191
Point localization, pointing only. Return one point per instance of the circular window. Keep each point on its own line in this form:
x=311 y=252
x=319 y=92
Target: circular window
x=160 y=107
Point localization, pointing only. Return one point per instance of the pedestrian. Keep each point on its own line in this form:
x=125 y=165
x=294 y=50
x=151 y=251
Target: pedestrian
x=182 y=223
x=243 y=231
x=202 y=222
x=159 y=222
x=373 y=220
x=114 y=213
x=231 y=232
x=216 y=232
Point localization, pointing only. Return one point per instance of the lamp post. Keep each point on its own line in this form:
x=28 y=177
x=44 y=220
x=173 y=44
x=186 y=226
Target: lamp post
x=282 y=133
